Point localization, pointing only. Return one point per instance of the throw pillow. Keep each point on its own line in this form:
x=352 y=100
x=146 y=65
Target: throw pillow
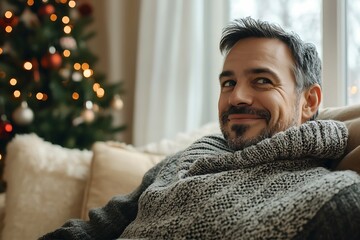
x=115 y=169
x=45 y=185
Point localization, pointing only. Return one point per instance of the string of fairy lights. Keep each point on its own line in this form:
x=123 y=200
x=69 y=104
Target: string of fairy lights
x=53 y=60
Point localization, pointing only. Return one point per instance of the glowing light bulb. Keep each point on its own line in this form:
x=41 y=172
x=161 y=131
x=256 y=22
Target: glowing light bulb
x=17 y=93
x=13 y=82
x=8 y=29
x=52 y=49
x=67 y=29
x=65 y=19
x=77 y=66
x=28 y=65
x=85 y=66
x=8 y=14
x=88 y=73
x=72 y=3
x=89 y=104
x=100 y=92
x=96 y=86
x=8 y=127
x=53 y=17
x=39 y=96
x=75 y=96
x=66 y=53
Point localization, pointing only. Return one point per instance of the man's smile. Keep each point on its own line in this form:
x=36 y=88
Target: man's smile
x=244 y=118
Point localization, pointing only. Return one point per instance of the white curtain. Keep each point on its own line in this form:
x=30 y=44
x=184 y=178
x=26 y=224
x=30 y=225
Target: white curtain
x=178 y=63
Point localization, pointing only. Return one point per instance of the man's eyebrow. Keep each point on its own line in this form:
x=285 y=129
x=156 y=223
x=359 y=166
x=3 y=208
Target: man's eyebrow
x=226 y=74
x=262 y=70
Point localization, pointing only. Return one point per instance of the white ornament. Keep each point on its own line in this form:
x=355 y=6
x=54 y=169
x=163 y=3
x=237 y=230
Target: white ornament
x=65 y=73
x=68 y=43
x=88 y=115
x=29 y=18
x=117 y=103
x=76 y=76
x=23 y=115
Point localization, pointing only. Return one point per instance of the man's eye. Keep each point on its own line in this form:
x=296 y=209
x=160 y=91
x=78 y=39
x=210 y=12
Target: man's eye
x=228 y=83
x=263 y=81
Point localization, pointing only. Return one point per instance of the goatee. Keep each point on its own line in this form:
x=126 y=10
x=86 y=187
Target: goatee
x=239 y=142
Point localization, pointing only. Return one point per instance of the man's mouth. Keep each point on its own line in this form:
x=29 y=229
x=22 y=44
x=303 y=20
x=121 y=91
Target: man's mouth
x=245 y=115
x=244 y=118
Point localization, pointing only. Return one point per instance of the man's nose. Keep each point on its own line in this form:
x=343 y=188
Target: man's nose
x=241 y=95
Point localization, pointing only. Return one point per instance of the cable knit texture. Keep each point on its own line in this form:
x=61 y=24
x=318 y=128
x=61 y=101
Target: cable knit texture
x=269 y=190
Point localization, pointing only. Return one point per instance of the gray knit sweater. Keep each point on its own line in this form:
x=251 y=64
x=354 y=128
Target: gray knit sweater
x=270 y=190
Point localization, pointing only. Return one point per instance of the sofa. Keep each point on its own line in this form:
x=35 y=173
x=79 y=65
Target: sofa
x=48 y=184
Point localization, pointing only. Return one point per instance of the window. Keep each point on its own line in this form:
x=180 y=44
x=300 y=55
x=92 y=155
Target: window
x=353 y=51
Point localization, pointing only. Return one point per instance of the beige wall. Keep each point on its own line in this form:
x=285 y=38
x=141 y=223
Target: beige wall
x=116 y=25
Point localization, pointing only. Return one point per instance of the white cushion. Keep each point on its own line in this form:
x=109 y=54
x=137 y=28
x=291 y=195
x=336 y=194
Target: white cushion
x=45 y=185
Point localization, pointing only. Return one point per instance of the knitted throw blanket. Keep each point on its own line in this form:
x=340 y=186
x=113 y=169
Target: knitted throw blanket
x=268 y=190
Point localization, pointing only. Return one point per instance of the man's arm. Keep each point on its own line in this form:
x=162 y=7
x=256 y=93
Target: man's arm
x=109 y=221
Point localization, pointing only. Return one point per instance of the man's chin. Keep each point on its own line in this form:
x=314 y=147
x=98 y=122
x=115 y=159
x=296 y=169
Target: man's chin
x=240 y=137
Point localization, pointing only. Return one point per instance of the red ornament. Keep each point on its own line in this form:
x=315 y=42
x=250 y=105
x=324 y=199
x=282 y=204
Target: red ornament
x=51 y=61
x=47 y=9
x=85 y=9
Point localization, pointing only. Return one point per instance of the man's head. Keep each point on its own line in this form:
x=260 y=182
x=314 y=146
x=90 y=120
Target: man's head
x=270 y=81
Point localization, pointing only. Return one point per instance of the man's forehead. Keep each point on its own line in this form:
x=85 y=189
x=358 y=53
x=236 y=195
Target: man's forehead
x=259 y=53
x=259 y=46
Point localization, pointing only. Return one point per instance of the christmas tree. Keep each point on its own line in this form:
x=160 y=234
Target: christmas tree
x=48 y=84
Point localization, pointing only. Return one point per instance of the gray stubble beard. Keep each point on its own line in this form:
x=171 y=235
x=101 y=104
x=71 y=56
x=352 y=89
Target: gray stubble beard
x=239 y=142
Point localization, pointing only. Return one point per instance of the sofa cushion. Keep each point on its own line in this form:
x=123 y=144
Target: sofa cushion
x=115 y=169
x=350 y=115
x=45 y=185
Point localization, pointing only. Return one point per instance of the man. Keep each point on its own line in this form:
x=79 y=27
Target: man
x=265 y=177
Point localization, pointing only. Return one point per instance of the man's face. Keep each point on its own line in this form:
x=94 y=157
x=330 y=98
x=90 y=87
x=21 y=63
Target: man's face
x=258 y=96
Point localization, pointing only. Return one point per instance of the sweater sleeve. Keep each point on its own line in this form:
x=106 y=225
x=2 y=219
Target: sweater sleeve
x=109 y=221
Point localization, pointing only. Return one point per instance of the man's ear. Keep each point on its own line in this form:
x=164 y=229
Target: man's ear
x=313 y=97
